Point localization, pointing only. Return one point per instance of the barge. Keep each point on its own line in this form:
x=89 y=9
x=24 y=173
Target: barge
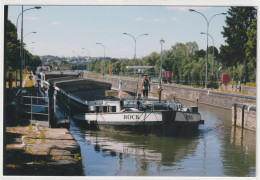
x=165 y=118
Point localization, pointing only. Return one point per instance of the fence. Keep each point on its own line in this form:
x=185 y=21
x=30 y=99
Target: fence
x=154 y=77
x=33 y=108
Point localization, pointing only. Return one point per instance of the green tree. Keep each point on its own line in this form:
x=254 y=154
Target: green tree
x=191 y=48
x=11 y=55
x=200 y=53
x=52 y=62
x=238 y=21
x=35 y=62
x=64 y=62
x=11 y=45
x=250 y=47
x=215 y=51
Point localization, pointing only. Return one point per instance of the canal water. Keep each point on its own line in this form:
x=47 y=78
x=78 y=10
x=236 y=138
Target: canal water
x=219 y=149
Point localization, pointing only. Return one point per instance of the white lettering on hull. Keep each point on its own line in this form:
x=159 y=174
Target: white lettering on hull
x=136 y=117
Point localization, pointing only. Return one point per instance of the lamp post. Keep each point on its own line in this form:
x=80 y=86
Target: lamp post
x=28 y=34
x=77 y=59
x=213 y=53
x=87 y=59
x=16 y=59
x=104 y=55
x=27 y=44
x=208 y=21
x=21 y=65
x=160 y=79
x=135 y=39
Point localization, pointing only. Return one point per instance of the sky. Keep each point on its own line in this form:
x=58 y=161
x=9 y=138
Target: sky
x=74 y=30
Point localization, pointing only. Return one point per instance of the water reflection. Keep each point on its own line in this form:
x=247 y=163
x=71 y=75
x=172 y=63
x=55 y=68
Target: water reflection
x=146 y=154
x=238 y=146
x=218 y=150
x=241 y=161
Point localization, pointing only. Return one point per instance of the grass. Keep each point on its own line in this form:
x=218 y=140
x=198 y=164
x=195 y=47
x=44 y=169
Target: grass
x=30 y=126
x=77 y=158
x=13 y=73
x=28 y=83
x=42 y=136
x=251 y=84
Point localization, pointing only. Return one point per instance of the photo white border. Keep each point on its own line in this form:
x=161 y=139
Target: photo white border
x=120 y=3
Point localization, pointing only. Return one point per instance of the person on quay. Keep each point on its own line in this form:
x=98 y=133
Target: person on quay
x=145 y=88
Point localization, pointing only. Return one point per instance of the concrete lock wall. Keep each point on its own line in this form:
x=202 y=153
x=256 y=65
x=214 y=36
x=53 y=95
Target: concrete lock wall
x=215 y=98
x=237 y=88
x=244 y=116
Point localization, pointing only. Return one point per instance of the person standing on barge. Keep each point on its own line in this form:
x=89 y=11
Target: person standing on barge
x=145 y=88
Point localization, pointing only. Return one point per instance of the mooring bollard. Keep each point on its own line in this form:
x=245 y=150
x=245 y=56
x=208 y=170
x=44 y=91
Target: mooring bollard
x=37 y=127
x=24 y=140
x=243 y=116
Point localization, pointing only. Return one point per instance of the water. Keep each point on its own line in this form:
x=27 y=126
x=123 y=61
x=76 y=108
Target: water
x=218 y=150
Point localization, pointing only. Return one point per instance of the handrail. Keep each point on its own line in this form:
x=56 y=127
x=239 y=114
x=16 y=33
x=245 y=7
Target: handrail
x=35 y=97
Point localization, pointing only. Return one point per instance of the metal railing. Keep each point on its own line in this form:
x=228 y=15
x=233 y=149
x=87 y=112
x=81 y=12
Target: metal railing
x=37 y=105
x=33 y=108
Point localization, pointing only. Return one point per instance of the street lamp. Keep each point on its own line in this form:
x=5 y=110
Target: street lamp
x=160 y=79
x=74 y=55
x=16 y=59
x=213 y=53
x=21 y=73
x=104 y=55
x=208 y=21
x=27 y=44
x=87 y=59
x=135 y=39
x=28 y=34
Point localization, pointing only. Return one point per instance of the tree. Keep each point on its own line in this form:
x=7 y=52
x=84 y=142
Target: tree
x=11 y=45
x=11 y=32
x=215 y=51
x=11 y=55
x=34 y=62
x=250 y=47
x=191 y=47
x=199 y=54
x=238 y=21
x=64 y=62
x=52 y=62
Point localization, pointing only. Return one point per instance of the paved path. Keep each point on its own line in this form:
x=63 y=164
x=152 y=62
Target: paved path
x=25 y=80
x=48 y=152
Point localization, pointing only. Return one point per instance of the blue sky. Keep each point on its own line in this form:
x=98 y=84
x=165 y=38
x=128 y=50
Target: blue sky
x=65 y=30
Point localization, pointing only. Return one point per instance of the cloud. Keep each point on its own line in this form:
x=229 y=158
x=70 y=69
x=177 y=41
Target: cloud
x=185 y=8
x=156 y=20
x=126 y=50
x=31 y=18
x=55 y=23
x=149 y=20
x=174 y=18
x=139 y=19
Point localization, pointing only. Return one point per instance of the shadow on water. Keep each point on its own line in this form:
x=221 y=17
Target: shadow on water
x=219 y=149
